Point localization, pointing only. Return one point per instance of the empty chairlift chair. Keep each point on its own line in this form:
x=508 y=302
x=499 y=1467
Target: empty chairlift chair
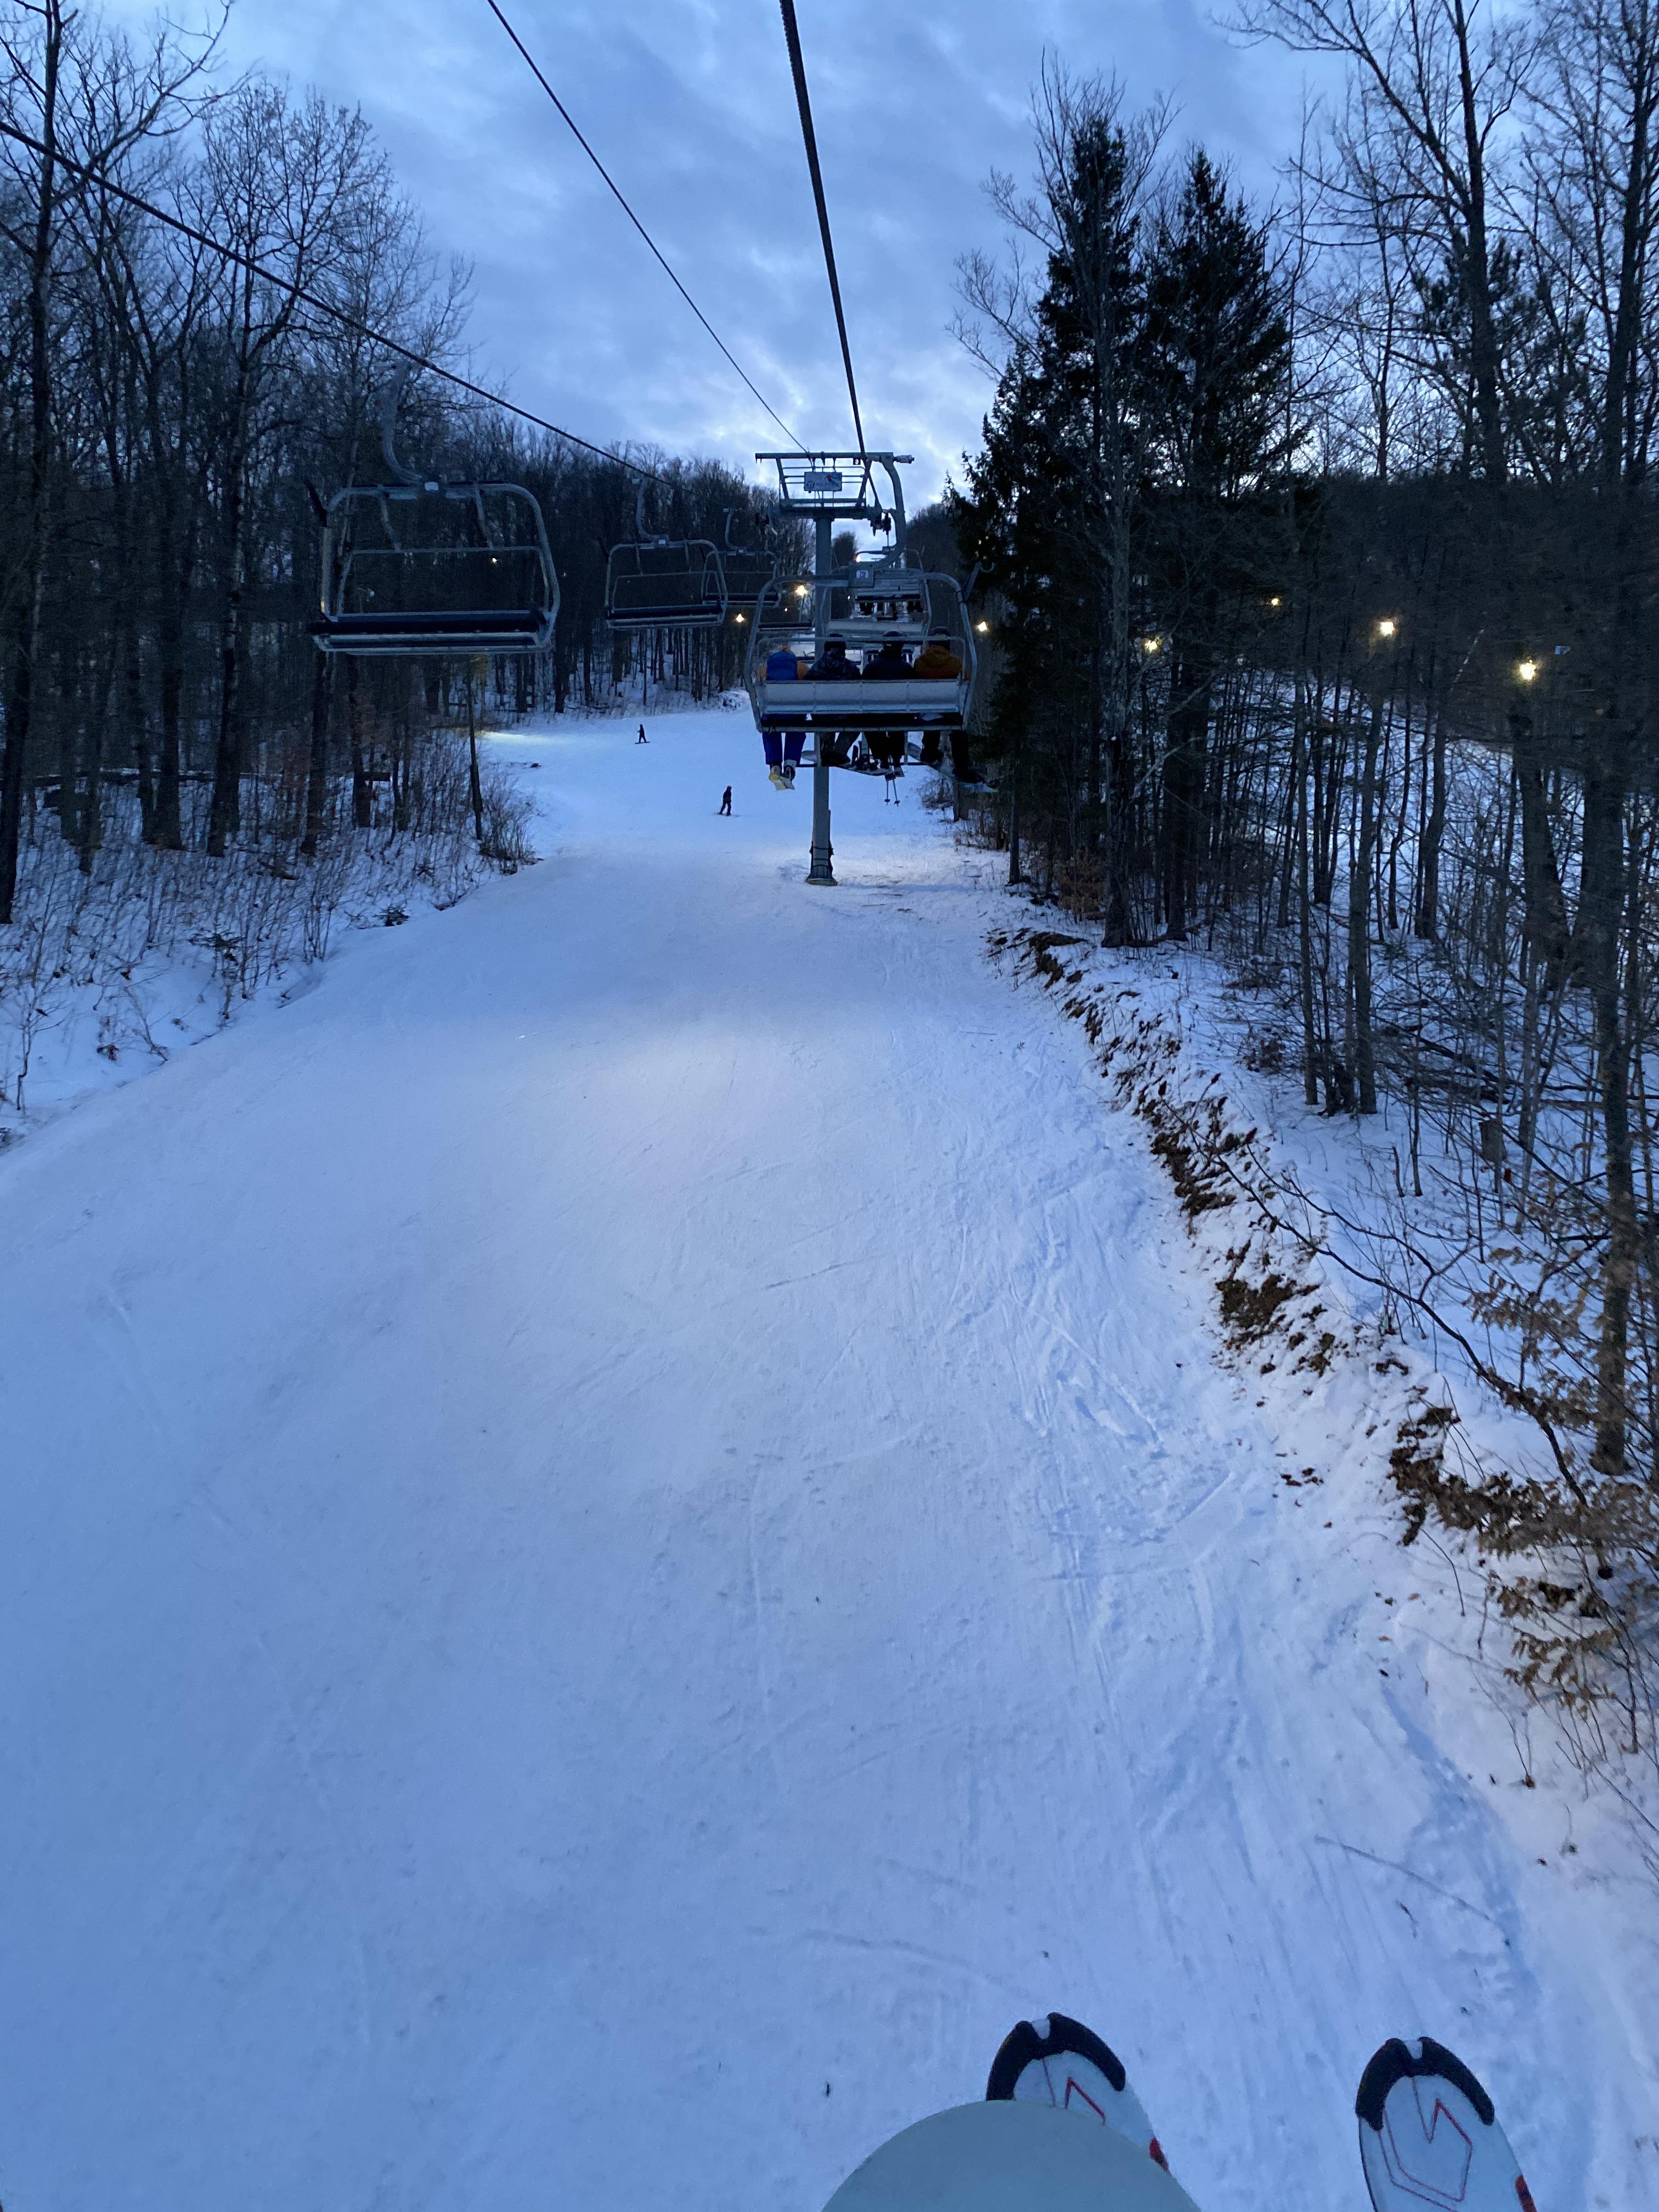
x=674 y=583
x=419 y=566
x=747 y=570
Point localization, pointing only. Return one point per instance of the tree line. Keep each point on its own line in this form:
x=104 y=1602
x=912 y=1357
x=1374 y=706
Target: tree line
x=1319 y=545
x=176 y=398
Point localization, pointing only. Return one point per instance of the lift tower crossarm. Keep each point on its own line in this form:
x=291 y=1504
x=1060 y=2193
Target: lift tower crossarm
x=833 y=487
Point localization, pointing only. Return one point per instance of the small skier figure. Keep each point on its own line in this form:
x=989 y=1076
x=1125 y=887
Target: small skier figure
x=641 y=739
x=726 y=800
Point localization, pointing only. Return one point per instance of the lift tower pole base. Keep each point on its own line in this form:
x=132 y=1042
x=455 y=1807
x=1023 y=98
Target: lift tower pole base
x=821 y=871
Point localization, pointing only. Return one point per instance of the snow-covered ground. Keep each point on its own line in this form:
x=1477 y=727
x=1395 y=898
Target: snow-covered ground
x=625 y=1534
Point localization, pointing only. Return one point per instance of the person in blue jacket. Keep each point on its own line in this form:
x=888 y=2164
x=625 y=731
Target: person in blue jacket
x=782 y=749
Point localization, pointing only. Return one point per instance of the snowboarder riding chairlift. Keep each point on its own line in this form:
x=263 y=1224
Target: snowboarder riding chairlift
x=1061 y=2130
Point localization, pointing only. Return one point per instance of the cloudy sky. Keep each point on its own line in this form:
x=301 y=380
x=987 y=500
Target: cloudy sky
x=690 y=104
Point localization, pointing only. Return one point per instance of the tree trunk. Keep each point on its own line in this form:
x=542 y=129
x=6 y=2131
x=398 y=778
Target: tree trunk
x=1476 y=271
x=1184 y=768
x=1545 y=921
x=1304 y=901
x=1600 y=910
x=90 y=827
x=362 y=792
x=1427 y=923
x=224 y=813
x=322 y=703
x=1359 y=904
x=26 y=635
x=475 y=786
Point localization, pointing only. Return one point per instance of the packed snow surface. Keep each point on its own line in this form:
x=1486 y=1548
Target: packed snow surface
x=625 y=1535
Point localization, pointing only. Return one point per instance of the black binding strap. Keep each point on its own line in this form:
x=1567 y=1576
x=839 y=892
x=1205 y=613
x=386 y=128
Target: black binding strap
x=1023 y=2044
x=1394 y=2063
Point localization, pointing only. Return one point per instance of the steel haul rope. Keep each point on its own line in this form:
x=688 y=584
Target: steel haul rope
x=616 y=192
x=798 y=68
x=314 y=298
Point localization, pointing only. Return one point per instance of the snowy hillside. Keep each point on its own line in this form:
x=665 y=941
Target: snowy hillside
x=627 y=1531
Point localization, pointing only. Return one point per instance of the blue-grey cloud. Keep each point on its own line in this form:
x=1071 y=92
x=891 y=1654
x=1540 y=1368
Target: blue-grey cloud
x=690 y=103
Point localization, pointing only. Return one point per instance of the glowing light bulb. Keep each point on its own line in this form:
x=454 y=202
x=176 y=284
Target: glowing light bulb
x=1387 y=627
x=982 y=627
x=1273 y=602
x=1527 y=671
x=1149 y=645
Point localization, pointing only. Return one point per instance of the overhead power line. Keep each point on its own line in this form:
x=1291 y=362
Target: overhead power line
x=797 y=67
x=617 y=193
x=316 y=300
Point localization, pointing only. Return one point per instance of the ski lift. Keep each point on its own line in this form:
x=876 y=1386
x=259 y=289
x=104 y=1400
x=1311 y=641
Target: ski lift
x=418 y=566
x=885 y=603
x=747 y=570
x=677 y=582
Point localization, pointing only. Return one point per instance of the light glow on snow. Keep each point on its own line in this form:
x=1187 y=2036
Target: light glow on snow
x=631 y=1509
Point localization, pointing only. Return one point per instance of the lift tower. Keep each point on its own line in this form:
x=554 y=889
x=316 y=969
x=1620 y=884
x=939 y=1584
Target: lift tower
x=832 y=488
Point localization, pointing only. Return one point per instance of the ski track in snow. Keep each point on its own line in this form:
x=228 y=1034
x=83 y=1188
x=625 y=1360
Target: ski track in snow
x=609 y=1571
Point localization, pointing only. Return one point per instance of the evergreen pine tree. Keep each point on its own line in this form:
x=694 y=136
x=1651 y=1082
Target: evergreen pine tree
x=1220 y=355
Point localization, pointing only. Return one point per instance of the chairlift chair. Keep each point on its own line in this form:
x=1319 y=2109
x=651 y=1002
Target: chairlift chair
x=882 y=600
x=419 y=566
x=654 y=582
x=747 y=570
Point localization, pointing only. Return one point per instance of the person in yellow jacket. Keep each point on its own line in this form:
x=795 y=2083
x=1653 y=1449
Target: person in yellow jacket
x=936 y=661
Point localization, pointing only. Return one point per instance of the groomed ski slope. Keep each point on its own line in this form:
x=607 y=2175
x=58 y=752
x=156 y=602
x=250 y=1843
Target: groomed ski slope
x=624 y=1537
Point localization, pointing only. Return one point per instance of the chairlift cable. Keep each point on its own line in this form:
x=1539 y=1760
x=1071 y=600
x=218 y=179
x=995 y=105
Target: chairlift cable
x=617 y=193
x=315 y=300
x=797 y=67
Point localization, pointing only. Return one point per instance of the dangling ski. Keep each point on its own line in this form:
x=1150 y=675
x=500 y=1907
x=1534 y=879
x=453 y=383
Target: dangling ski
x=1429 y=2134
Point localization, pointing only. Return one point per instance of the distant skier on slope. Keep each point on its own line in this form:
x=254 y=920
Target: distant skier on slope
x=641 y=739
x=726 y=800
x=1428 y=2135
